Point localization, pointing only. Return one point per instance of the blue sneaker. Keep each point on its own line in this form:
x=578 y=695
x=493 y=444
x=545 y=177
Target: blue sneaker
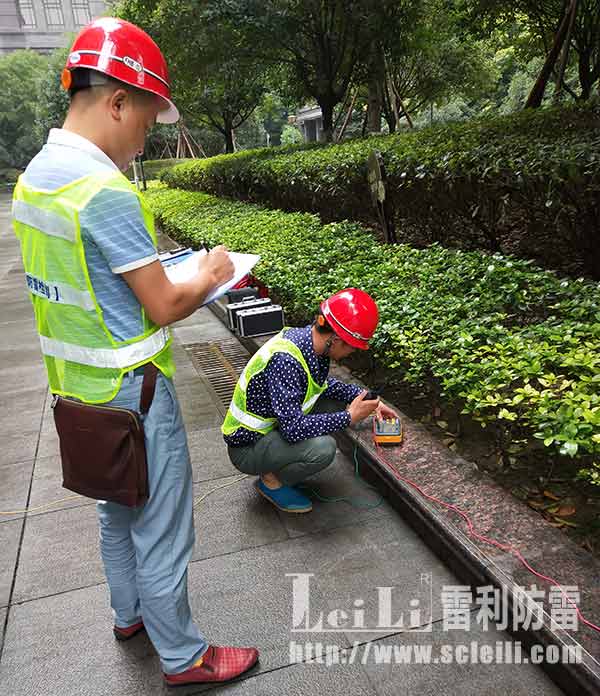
x=286 y=498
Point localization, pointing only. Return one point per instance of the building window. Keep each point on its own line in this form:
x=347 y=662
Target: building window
x=54 y=13
x=27 y=13
x=81 y=12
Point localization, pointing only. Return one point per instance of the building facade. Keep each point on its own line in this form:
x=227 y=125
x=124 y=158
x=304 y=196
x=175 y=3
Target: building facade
x=309 y=120
x=44 y=25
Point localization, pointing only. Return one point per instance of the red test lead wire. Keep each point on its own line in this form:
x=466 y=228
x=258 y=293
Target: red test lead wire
x=503 y=547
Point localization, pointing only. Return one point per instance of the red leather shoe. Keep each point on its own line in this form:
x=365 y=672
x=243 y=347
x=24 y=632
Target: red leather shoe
x=129 y=632
x=220 y=664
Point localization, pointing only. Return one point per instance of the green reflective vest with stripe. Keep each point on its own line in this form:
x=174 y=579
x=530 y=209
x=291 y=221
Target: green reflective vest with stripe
x=238 y=415
x=82 y=357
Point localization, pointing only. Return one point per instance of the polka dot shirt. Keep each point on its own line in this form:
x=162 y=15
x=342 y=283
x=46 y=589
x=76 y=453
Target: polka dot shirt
x=279 y=390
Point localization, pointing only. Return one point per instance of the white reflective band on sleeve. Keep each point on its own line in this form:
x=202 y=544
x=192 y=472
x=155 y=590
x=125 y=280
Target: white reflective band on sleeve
x=120 y=358
x=60 y=293
x=310 y=403
x=44 y=220
x=248 y=420
x=243 y=382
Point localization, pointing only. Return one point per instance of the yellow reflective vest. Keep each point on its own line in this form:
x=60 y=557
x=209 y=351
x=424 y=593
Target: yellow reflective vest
x=82 y=357
x=238 y=414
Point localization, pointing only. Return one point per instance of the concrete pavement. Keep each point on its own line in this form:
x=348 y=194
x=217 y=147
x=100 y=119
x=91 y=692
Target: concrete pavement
x=55 y=621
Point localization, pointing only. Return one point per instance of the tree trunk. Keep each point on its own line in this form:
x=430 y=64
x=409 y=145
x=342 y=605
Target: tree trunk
x=327 y=111
x=348 y=117
x=536 y=96
x=229 y=148
x=405 y=112
x=374 y=106
x=565 y=55
x=584 y=75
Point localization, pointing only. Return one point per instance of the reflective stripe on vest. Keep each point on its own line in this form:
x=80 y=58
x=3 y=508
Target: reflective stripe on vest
x=60 y=293
x=307 y=405
x=119 y=358
x=250 y=421
x=45 y=221
x=257 y=423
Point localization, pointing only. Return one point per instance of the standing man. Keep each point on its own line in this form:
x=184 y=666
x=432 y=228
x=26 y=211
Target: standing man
x=102 y=302
x=285 y=406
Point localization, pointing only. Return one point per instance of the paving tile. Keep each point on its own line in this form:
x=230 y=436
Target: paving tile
x=232 y=518
x=59 y=553
x=385 y=553
x=200 y=332
x=15 y=305
x=208 y=453
x=241 y=599
x=10 y=535
x=337 y=481
x=64 y=645
x=47 y=488
x=245 y=598
x=469 y=679
x=22 y=412
x=254 y=586
x=21 y=370
x=198 y=411
x=15 y=480
x=303 y=680
x=49 y=444
x=19 y=446
x=20 y=333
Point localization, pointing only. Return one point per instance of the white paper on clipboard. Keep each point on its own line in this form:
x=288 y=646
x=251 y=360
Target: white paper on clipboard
x=188 y=268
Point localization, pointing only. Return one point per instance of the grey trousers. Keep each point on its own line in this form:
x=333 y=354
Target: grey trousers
x=291 y=462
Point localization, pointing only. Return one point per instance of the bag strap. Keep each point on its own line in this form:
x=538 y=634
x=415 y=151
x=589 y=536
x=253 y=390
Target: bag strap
x=148 y=386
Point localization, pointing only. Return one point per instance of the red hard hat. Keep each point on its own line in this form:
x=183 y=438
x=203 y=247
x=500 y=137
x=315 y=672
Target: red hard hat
x=353 y=315
x=123 y=51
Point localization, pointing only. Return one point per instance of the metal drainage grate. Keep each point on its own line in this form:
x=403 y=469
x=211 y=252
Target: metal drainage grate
x=220 y=363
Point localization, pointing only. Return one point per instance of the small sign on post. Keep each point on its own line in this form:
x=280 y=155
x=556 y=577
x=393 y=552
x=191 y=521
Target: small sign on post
x=377 y=185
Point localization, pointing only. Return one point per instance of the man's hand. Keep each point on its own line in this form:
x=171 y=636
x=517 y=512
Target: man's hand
x=167 y=302
x=382 y=412
x=217 y=265
x=359 y=409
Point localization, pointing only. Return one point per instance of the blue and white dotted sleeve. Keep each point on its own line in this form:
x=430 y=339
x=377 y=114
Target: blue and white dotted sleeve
x=286 y=383
x=341 y=391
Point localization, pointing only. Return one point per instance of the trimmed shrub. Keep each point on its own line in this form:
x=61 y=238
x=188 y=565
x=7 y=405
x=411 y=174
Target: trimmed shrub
x=515 y=345
x=154 y=169
x=526 y=184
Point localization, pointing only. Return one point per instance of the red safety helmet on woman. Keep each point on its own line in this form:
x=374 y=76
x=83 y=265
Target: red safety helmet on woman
x=353 y=315
x=126 y=53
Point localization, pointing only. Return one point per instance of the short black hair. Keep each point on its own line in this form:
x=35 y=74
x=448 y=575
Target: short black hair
x=83 y=78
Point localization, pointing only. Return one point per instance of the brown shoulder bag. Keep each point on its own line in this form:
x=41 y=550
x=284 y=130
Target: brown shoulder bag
x=102 y=448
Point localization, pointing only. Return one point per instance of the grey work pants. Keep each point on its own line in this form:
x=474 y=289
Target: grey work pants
x=291 y=462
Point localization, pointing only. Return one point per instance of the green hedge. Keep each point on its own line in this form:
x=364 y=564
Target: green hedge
x=514 y=344
x=526 y=184
x=153 y=169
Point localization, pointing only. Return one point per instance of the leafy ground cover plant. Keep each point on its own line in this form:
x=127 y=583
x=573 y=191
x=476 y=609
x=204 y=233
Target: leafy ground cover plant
x=517 y=347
